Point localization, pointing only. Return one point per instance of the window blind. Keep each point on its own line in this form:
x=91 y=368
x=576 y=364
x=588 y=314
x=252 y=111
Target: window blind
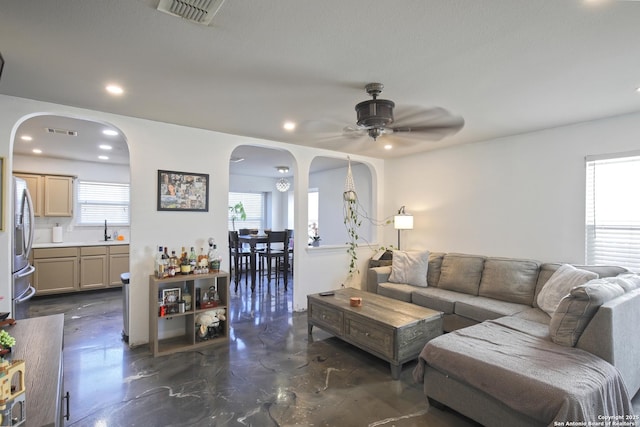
x=613 y=211
x=98 y=201
x=254 y=208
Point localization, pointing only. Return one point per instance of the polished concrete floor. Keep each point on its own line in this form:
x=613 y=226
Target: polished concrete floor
x=269 y=373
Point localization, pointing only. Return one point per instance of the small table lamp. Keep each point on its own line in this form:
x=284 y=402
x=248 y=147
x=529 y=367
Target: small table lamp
x=402 y=221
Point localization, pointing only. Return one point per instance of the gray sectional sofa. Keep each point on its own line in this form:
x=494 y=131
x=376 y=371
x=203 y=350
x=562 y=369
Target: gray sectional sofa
x=505 y=360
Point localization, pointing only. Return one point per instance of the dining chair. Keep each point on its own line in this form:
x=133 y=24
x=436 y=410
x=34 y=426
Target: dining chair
x=277 y=250
x=238 y=257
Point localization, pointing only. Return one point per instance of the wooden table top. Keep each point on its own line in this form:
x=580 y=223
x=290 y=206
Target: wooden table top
x=383 y=309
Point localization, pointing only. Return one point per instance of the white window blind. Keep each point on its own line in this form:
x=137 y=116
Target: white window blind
x=254 y=208
x=613 y=211
x=98 y=201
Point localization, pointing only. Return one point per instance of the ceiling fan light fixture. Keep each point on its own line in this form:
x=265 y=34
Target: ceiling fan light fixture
x=375 y=113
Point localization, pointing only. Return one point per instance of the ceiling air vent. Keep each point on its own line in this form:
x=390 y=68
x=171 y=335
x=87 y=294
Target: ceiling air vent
x=62 y=131
x=198 y=11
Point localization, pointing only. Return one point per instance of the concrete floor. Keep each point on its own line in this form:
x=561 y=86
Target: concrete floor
x=269 y=373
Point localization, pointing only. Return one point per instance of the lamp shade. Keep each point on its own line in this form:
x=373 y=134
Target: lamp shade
x=403 y=222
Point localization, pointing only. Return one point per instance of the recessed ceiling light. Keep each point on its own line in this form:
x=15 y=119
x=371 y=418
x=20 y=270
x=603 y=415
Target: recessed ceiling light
x=289 y=126
x=110 y=132
x=105 y=147
x=114 y=89
x=103 y=157
x=638 y=89
x=37 y=151
x=26 y=138
x=388 y=146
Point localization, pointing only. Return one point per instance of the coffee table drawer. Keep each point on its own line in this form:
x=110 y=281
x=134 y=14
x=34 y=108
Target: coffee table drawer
x=330 y=319
x=377 y=338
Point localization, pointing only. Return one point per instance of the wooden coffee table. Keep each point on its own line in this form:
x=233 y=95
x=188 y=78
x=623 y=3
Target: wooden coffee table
x=395 y=331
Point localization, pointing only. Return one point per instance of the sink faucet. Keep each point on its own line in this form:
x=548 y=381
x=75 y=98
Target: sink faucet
x=106 y=235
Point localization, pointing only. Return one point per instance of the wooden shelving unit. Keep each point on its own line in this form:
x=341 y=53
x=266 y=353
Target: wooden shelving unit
x=177 y=331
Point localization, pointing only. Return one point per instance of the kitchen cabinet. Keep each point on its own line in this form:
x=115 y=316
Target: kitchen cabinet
x=56 y=270
x=93 y=267
x=174 y=332
x=35 y=185
x=52 y=194
x=118 y=263
x=79 y=268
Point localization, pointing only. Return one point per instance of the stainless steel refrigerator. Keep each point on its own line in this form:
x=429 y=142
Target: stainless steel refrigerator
x=22 y=240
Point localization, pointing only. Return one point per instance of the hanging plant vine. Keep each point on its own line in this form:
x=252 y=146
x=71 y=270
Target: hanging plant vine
x=352 y=220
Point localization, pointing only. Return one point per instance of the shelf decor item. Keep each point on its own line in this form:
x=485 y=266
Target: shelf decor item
x=170 y=299
x=183 y=191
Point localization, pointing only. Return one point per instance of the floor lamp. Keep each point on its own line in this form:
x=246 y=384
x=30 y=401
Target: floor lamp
x=402 y=221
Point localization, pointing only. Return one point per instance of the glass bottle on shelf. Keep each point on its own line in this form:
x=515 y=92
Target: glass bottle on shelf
x=160 y=269
x=214 y=257
x=193 y=259
x=185 y=266
x=174 y=264
x=186 y=296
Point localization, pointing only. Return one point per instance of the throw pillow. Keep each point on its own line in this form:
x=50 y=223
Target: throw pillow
x=576 y=310
x=410 y=268
x=559 y=284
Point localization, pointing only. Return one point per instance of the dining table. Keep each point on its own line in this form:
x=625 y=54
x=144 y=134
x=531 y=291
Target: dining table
x=253 y=240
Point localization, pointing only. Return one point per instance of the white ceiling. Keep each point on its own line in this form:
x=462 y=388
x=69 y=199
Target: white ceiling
x=506 y=66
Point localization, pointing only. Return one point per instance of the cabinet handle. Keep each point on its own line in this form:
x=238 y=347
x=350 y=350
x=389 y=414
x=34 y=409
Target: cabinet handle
x=68 y=412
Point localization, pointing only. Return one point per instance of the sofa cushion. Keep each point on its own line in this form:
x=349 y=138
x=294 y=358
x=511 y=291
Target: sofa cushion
x=410 y=267
x=435 y=268
x=397 y=291
x=628 y=282
x=559 y=285
x=535 y=315
x=508 y=279
x=482 y=308
x=547 y=270
x=438 y=299
x=578 y=308
x=461 y=273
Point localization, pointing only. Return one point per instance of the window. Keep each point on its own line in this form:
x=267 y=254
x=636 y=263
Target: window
x=313 y=213
x=253 y=204
x=98 y=201
x=613 y=210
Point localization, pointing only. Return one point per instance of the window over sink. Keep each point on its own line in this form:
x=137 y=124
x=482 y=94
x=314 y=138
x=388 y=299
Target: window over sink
x=100 y=201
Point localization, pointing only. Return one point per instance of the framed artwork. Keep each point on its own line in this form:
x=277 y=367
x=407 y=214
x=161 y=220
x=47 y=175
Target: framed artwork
x=183 y=191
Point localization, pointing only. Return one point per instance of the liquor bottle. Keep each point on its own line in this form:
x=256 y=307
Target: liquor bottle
x=185 y=267
x=186 y=296
x=174 y=264
x=159 y=269
x=214 y=257
x=193 y=259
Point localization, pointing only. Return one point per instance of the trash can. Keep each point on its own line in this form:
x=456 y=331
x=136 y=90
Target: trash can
x=124 y=277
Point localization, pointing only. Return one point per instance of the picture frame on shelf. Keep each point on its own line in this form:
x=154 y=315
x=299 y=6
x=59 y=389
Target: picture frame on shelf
x=183 y=191
x=170 y=299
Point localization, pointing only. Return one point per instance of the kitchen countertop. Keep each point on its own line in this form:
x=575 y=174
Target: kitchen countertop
x=75 y=244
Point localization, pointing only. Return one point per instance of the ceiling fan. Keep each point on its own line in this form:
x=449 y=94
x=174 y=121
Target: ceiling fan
x=375 y=118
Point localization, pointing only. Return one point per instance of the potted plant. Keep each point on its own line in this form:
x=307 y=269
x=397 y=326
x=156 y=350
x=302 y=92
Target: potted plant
x=6 y=343
x=313 y=235
x=237 y=212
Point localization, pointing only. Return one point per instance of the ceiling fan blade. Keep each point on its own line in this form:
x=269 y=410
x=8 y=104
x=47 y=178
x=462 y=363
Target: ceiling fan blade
x=353 y=132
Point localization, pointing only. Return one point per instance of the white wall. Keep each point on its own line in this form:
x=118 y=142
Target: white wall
x=521 y=196
x=152 y=147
